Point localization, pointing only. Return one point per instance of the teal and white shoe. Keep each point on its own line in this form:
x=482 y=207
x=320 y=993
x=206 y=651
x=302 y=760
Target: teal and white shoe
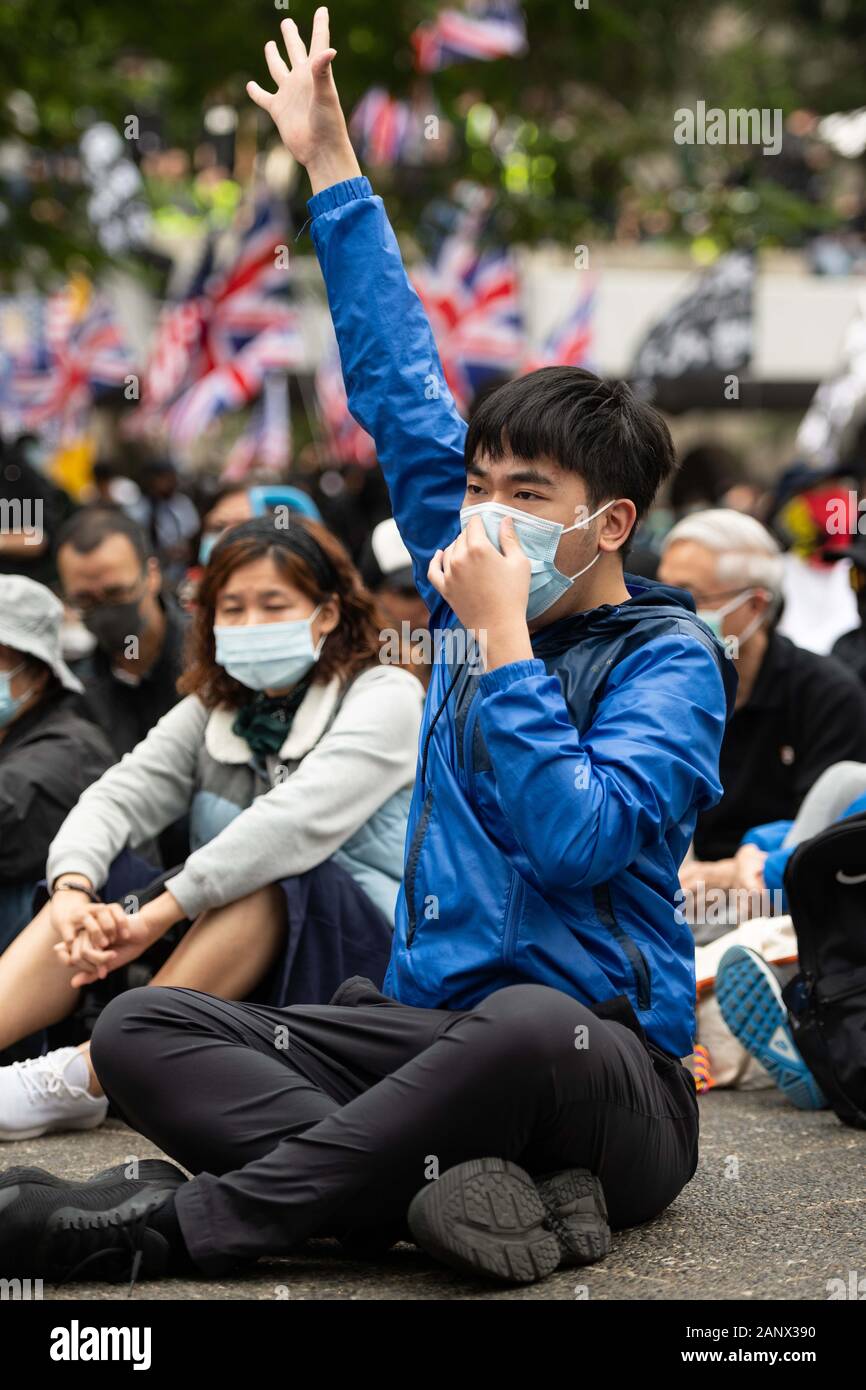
x=750 y=1000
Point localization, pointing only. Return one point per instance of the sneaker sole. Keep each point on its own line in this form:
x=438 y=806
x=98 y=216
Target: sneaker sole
x=751 y=1004
x=149 y=1170
x=9 y=1136
x=485 y=1217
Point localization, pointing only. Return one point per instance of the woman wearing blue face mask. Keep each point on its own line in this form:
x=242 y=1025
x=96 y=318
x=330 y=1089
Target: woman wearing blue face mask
x=293 y=754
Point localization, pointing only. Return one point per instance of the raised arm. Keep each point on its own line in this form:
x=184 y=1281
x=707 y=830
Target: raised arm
x=393 y=375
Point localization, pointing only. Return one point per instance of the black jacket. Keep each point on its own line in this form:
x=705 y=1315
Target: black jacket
x=805 y=713
x=850 y=649
x=127 y=713
x=47 y=759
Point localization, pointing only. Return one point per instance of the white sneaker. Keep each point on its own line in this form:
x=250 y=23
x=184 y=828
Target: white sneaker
x=39 y=1096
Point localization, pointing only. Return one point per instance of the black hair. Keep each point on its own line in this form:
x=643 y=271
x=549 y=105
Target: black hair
x=87 y=529
x=706 y=472
x=600 y=430
x=104 y=471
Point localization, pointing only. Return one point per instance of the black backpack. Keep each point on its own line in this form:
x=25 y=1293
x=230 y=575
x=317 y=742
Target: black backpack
x=825 y=881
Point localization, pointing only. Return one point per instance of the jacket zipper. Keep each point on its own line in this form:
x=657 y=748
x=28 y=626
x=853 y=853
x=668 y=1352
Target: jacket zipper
x=412 y=867
x=513 y=911
x=629 y=947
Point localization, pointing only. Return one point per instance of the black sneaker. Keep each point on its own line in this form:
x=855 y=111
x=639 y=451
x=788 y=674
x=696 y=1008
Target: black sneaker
x=57 y=1233
x=577 y=1213
x=489 y=1217
x=149 y=1170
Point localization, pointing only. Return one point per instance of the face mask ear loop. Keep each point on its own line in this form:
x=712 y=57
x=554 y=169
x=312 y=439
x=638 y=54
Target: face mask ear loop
x=597 y=556
x=320 y=645
x=734 y=603
x=579 y=525
x=757 y=621
x=20 y=700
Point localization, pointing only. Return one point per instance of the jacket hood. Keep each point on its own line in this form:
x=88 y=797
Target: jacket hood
x=652 y=604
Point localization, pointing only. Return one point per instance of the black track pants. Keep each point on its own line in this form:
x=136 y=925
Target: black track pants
x=326 y=1119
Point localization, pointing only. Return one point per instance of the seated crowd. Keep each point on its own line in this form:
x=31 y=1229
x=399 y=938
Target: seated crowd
x=210 y=767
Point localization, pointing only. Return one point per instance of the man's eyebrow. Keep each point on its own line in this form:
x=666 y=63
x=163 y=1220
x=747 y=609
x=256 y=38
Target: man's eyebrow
x=514 y=475
x=530 y=475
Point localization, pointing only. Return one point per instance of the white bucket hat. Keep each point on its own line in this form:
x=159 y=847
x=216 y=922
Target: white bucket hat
x=30 y=618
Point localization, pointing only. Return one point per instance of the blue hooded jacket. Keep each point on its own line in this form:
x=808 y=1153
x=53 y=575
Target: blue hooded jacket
x=555 y=797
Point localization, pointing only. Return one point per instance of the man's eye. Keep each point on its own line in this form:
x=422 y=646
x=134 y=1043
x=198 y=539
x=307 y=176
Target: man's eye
x=528 y=497
x=473 y=489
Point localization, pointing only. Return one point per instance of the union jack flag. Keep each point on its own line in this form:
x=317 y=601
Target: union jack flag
x=250 y=297
x=346 y=441
x=480 y=33
x=380 y=127
x=234 y=384
x=177 y=340
x=265 y=446
x=471 y=297
x=73 y=350
x=214 y=348
x=570 y=342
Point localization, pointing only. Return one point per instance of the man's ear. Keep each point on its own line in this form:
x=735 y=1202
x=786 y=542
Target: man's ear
x=617 y=524
x=761 y=601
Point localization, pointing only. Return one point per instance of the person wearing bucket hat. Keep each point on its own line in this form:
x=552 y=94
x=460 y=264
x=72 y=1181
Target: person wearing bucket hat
x=49 y=754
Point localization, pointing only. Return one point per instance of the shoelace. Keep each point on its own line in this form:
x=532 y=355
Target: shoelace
x=90 y=1221
x=43 y=1079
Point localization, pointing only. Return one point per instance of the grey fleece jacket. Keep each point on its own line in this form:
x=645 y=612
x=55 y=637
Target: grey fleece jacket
x=339 y=788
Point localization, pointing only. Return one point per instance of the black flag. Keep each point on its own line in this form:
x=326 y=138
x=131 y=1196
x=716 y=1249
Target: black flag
x=707 y=333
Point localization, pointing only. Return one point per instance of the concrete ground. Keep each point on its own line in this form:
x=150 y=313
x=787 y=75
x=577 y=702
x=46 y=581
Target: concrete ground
x=776 y=1209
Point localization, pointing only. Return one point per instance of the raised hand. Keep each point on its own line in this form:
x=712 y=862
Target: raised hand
x=305 y=108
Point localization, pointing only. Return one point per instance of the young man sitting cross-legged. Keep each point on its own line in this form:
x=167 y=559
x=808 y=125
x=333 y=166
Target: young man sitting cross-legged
x=517 y=1086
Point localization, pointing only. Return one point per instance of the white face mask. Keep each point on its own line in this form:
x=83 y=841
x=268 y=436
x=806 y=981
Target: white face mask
x=713 y=617
x=539 y=538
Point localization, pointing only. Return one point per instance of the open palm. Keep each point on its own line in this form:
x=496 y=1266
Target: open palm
x=305 y=107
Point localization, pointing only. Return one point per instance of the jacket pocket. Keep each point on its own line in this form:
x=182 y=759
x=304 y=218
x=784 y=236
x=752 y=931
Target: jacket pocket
x=634 y=955
x=411 y=873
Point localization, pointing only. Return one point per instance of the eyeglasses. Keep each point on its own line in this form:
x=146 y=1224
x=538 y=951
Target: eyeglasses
x=114 y=597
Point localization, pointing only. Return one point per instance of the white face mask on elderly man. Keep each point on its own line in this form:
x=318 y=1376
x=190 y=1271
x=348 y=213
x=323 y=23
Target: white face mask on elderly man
x=714 y=617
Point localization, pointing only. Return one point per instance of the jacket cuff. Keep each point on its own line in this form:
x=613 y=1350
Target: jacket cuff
x=505 y=676
x=189 y=894
x=349 y=191
x=77 y=863
x=774 y=869
x=770 y=836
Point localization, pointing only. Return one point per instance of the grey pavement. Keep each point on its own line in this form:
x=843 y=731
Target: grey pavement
x=776 y=1210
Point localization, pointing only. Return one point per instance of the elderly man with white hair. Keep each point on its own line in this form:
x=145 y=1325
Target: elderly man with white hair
x=796 y=714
